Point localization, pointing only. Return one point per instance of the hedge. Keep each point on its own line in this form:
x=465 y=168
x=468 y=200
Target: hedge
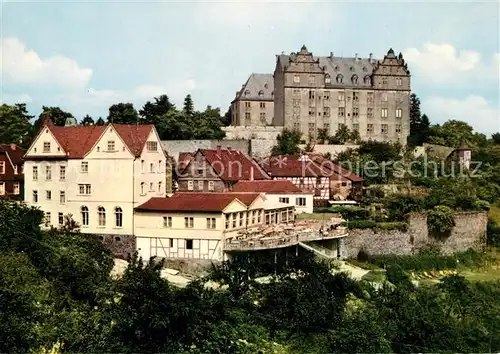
x=369 y=224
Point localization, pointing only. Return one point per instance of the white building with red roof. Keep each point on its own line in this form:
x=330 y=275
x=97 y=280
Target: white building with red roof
x=279 y=191
x=96 y=173
x=196 y=226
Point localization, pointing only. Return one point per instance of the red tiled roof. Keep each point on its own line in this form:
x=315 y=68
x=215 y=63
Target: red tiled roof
x=270 y=186
x=296 y=166
x=77 y=141
x=197 y=202
x=336 y=168
x=14 y=151
x=233 y=165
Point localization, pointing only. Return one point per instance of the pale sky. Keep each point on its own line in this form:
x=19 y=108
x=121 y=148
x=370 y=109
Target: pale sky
x=86 y=55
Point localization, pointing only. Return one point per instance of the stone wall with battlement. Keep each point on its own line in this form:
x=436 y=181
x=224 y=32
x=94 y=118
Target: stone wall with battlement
x=240 y=132
x=469 y=233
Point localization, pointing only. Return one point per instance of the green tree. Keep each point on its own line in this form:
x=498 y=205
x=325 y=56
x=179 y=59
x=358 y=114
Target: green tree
x=174 y=126
x=55 y=114
x=15 y=126
x=288 y=143
x=188 y=108
x=228 y=117
x=123 y=113
x=496 y=138
x=152 y=111
x=209 y=124
x=100 y=121
x=322 y=135
x=343 y=135
x=87 y=120
x=453 y=133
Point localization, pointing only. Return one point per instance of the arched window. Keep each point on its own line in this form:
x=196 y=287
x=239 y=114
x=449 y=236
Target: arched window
x=101 y=214
x=261 y=93
x=85 y=215
x=367 y=80
x=340 y=79
x=328 y=79
x=142 y=188
x=118 y=217
x=151 y=167
x=354 y=79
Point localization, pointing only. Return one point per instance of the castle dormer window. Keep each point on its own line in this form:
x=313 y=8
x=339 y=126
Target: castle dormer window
x=261 y=93
x=247 y=92
x=340 y=79
x=367 y=80
x=354 y=79
x=328 y=79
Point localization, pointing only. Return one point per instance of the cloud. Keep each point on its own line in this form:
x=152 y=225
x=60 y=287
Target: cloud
x=23 y=66
x=444 y=64
x=475 y=110
x=13 y=98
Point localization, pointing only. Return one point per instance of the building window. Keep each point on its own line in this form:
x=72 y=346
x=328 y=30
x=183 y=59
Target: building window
x=355 y=96
x=254 y=212
x=312 y=128
x=296 y=92
x=296 y=79
x=101 y=214
x=84 y=189
x=398 y=128
x=312 y=80
x=85 y=215
x=2 y=188
x=355 y=112
x=211 y=186
x=369 y=97
x=35 y=196
x=84 y=167
x=367 y=79
x=111 y=145
x=326 y=126
x=234 y=220
x=152 y=146
x=399 y=81
x=62 y=173
x=384 y=97
x=341 y=96
x=46 y=146
x=190 y=185
x=189 y=244
x=35 y=173
x=48 y=195
x=247 y=118
x=384 y=80
x=142 y=188
x=16 y=188
x=118 y=217
x=247 y=104
x=159 y=187
x=340 y=79
x=300 y=201
x=210 y=223
x=151 y=168
x=341 y=111
x=62 y=197
x=326 y=111
x=355 y=127
x=200 y=185
x=159 y=166
x=167 y=221
x=369 y=128
x=354 y=79
x=284 y=200
x=326 y=95
x=263 y=105
x=328 y=79
x=399 y=113
x=47 y=218
x=384 y=129
x=227 y=221
x=2 y=167
x=383 y=113
x=296 y=126
x=311 y=94
x=369 y=112
x=263 y=117
x=261 y=93
x=312 y=113
x=60 y=218
x=48 y=173
x=189 y=222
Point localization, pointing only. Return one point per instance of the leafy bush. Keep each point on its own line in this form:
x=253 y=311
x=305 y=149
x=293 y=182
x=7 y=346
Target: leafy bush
x=360 y=224
x=351 y=212
x=429 y=261
x=493 y=234
x=369 y=224
x=395 y=225
x=440 y=219
x=399 y=206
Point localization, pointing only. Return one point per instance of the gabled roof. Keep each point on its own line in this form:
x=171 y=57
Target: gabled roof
x=77 y=141
x=14 y=153
x=297 y=166
x=184 y=159
x=336 y=168
x=233 y=165
x=257 y=83
x=269 y=186
x=197 y=202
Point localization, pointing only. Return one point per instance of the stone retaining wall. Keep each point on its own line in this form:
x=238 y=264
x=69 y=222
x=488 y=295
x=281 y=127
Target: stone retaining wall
x=469 y=232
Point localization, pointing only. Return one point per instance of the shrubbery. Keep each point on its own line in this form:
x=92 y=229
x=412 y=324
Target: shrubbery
x=441 y=219
x=369 y=224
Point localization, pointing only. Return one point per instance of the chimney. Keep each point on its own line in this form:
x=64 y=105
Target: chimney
x=331 y=54
x=251 y=173
x=13 y=147
x=371 y=56
x=229 y=148
x=356 y=56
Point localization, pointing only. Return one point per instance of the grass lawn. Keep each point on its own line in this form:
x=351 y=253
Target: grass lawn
x=495 y=213
x=377 y=276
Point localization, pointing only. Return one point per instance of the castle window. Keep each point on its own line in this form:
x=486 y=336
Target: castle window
x=367 y=80
x=399 y=81
x=398 y=128
x=328 y=79
x=85 y=215
x=340 y=78
x=261 y=93
x=354 y=79
x=312 y=79
x=296 y=79
x=118 y=217
x=101 y=214
x=384 y=129
x=399 y=113
x=336 y=68
x=369 y=128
